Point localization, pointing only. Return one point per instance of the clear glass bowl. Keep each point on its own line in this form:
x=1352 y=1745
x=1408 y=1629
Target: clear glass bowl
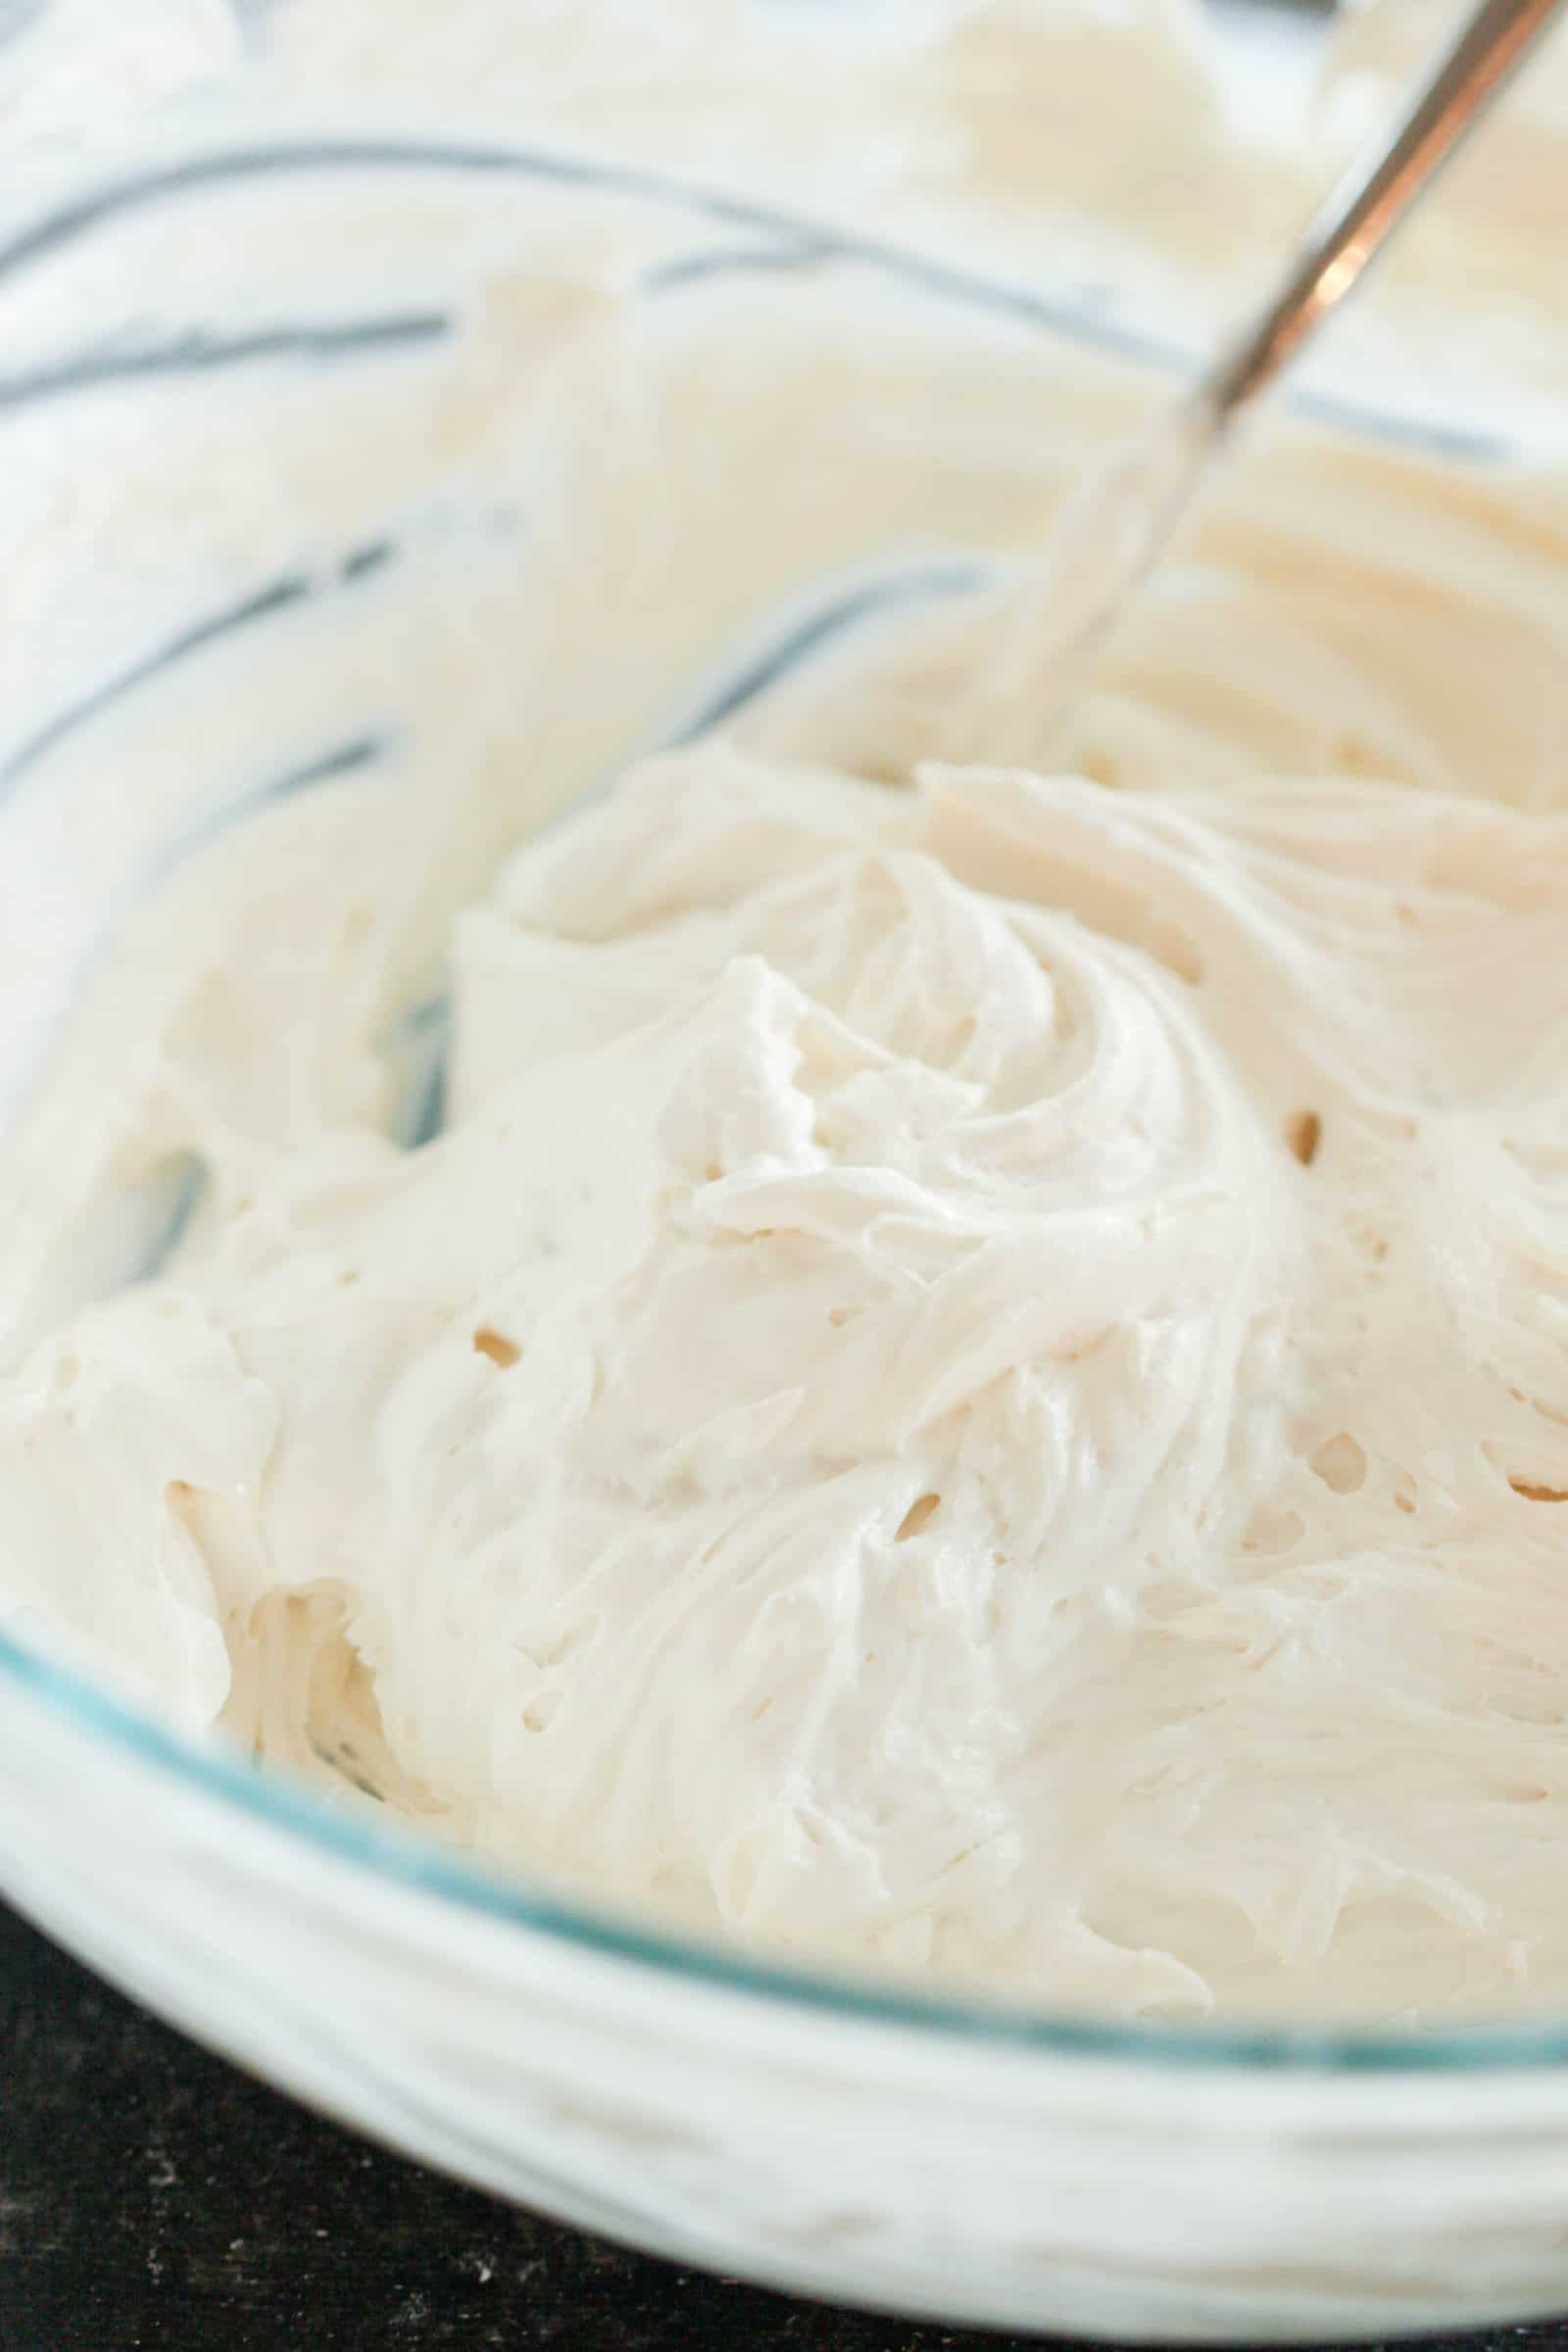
x=248 y=528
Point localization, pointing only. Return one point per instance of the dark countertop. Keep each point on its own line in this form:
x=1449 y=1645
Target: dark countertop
x=151 y=2196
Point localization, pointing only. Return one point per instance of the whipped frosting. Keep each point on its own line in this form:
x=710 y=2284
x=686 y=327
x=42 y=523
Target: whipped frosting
x=977 y=1383
x=973 y=1380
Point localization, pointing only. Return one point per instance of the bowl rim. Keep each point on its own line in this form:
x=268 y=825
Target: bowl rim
x=416 y=1862
x=419 y=1863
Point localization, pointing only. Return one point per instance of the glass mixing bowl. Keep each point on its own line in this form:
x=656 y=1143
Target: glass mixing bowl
x=251 y=534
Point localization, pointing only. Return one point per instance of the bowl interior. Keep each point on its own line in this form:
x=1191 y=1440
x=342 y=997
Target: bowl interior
x=286 y=531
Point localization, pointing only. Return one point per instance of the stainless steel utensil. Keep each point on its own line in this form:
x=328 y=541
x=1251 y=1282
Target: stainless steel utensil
x=1112 y=533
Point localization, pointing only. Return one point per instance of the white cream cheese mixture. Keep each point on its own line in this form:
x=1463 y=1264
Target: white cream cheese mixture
x=976 y=1379
x=979 y=1381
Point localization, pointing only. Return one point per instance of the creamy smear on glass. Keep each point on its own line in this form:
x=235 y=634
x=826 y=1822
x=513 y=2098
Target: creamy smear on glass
x=975 y=1380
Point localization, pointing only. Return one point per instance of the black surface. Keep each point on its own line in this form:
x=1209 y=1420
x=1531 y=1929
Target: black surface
x=150 y=2196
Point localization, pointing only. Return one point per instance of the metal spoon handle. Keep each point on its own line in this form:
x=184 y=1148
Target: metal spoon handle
x=1375 y=195
x=1114 y=528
